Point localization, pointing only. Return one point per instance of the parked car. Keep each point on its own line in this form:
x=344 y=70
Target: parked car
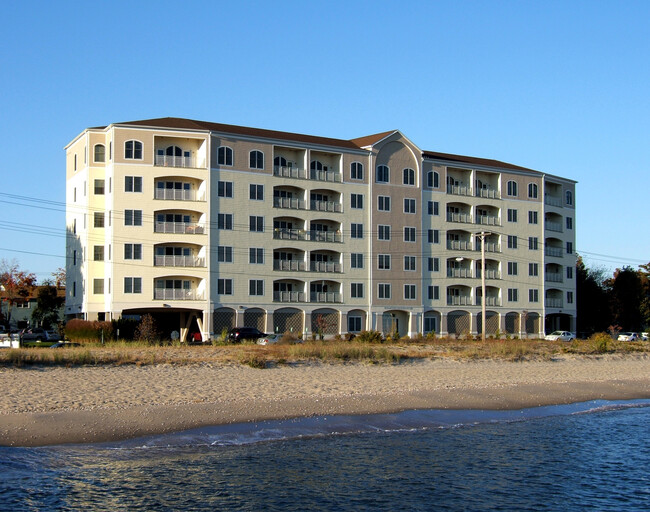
x=239 y=334
x=560 y=336
x=270 y=339
x=628 y=336
x=38 y=334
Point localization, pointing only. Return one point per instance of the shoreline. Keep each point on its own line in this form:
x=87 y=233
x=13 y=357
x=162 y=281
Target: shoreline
x=48 y=406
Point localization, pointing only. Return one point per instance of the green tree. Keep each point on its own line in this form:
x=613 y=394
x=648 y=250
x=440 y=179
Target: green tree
x=16 y=284
x=592 y=299
x=626 y=298
x=48 y=306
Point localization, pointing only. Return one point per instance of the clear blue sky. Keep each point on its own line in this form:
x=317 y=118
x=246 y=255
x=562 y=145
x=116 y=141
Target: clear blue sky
x=558 y=86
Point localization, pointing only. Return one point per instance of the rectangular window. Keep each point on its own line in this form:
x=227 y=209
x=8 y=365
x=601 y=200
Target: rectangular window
x=533 y=295
x=98 y=286
x=224 y=286
x=356 y=230
x=569 y=247
x=569 y=223
x=356 y=290
x=409 y=291
x=256 y=223
x=383 y=232
x=356 y=201
x=409 y=234
x=383 y=203
x=513 y=295
x=433 y=208
x=409 y=263
x=132 y=251
x=383 y=261
x=512 y=242
x=512 y=268
x=256 y=192
x=433 y=236
x=569 y=297
x=409 y=205
x=98 y=253
x=512 y=215
x=224 y=221
x=433 y=293
x=569 y=272
x=532 y=217
x=434 y=265
x=354 y=324
x=356 y=260
x=224 y=254
x=256 y=287
x=132 y=183
x=224 y=189
x=99 y=219
x=133 y=217
x=132 y=285
x=384 y=291
x=533 y=243
x=256 y=255
x=533 y=269
x=99 y=187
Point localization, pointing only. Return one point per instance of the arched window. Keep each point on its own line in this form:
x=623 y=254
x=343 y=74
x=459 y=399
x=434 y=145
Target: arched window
x=569 y=197
x=532 y=190
x=256 y=160
x=512 y=188
x=316 y=165
x=279 y=161
x=133 y=150
x=433 y=179
x=409 y=177
x=100 y=153
x=224 y=155
x=173 y=151
x=383 y=174
x=356 y=171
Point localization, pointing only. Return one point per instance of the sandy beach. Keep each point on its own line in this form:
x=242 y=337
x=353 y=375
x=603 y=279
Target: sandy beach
x=54 y=405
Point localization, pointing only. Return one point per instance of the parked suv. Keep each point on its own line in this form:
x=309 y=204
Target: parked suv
x=38 y=334
x=239 y=334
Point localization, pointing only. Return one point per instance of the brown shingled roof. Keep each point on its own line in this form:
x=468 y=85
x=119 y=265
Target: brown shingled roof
x=369 y=140
x=473 y=160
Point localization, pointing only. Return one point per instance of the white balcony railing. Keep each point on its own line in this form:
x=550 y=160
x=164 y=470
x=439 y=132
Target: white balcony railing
x=325 y=266
x=489 y=301
x=325 y=236
x=459 y=272
x=174 y=161
x=453 y=300
x=289 y=202
x=489 y=274
x=189 y=228
x=331 y=176
x=554 y=277
x=330 y=297
x=288 y=296
x=489 y=193
x=289 y=265
x=488 y=220
x=489 y=247
x=553 y=303
x=459 y=190
x=326 y=206
x=174 y=194
x=553 y=226
x=459 y=245
x=176 y=294
x=289 y=234
x=178 y=261
x=289 y=172
x=552 y=200
x=459 y=217
x=553 y=251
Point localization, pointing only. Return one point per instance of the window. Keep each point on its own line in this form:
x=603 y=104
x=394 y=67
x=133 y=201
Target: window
x=224 y=286
x=256 y=192
x=569 y=247
x=409 y=234
x=356 y=260
x=132 y=183
x=356 y=230
x=409 y=263
x=74 y=257
x=354 y=324
x=433 y=208
x=133 y=217
x=512 y=268
x=533 y=269
x=98 y=286
x=224 y=189
x=569 y=223
x=224 y=254
x=533 y=295
x=532 y=190
x=409 y=177
x=224 y=221
x=356 y=171
x=409 y=205
x=256 y=255
x=569 y=272
x=512 y=188
x=512 y=242
x=383 y=232
x=383 y=261
x=384 y=291
x=569 y=197
x=256 y=287
x=433 y=294
x=434 y=264
x=132 y=251
x=256 y=160
x=433 y=179
x=98 y=219
x=132 y=285
x=98 y=253
x=569 y=297
x=356 y=290
x=256 y=223
x=513 y=295
x=532 y=243
x=99 y=187
x=383 y=174
x=356 y=201
x=133 y=150
x=224 y=155
x=383 y=203
x=433 y=236
x=512 y=215
x=409 y=291
x=100 y=153
x=532 y=217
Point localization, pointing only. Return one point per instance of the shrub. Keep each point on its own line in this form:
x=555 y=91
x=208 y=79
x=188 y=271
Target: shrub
x=77 y=330
x=253 y=360
x=369 y=337
x=601 y=341
x=147 y=330
x=289 y=337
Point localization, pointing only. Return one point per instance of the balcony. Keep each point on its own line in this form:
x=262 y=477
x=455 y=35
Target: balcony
x=288 y=296
x=174 y=161
x=325 y=266
x=289 y=265
x=289 y=172
x=464 y=300
x=554 y=277
x=489 y=301
x=325 y=236
x=176 y=294
x=556 y=252
x=173 y=194
x=188 y=228
x=289 y=234
x=553 y=303
x=326 y=206
x=489 y=273
x=489 y=193
x=178 y=261
x=488 y=220
x=459 y=245
x=553 y=226
x=322 y=175
x=489 y=247
x=459 y=272
x=459 y=190
x=552 y=200
x=290 y=203
x=459 y=217
x=325 y=297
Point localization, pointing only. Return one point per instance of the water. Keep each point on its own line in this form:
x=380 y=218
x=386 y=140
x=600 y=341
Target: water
x=593 y=455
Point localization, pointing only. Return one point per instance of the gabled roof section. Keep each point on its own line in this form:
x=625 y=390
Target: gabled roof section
x=371 y=140
x=190 y=124
x=474 y=161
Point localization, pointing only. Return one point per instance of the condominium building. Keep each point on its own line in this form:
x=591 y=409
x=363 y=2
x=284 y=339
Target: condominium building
x=208 y=226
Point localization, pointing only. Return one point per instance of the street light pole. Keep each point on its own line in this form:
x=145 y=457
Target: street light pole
x=483 y=234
